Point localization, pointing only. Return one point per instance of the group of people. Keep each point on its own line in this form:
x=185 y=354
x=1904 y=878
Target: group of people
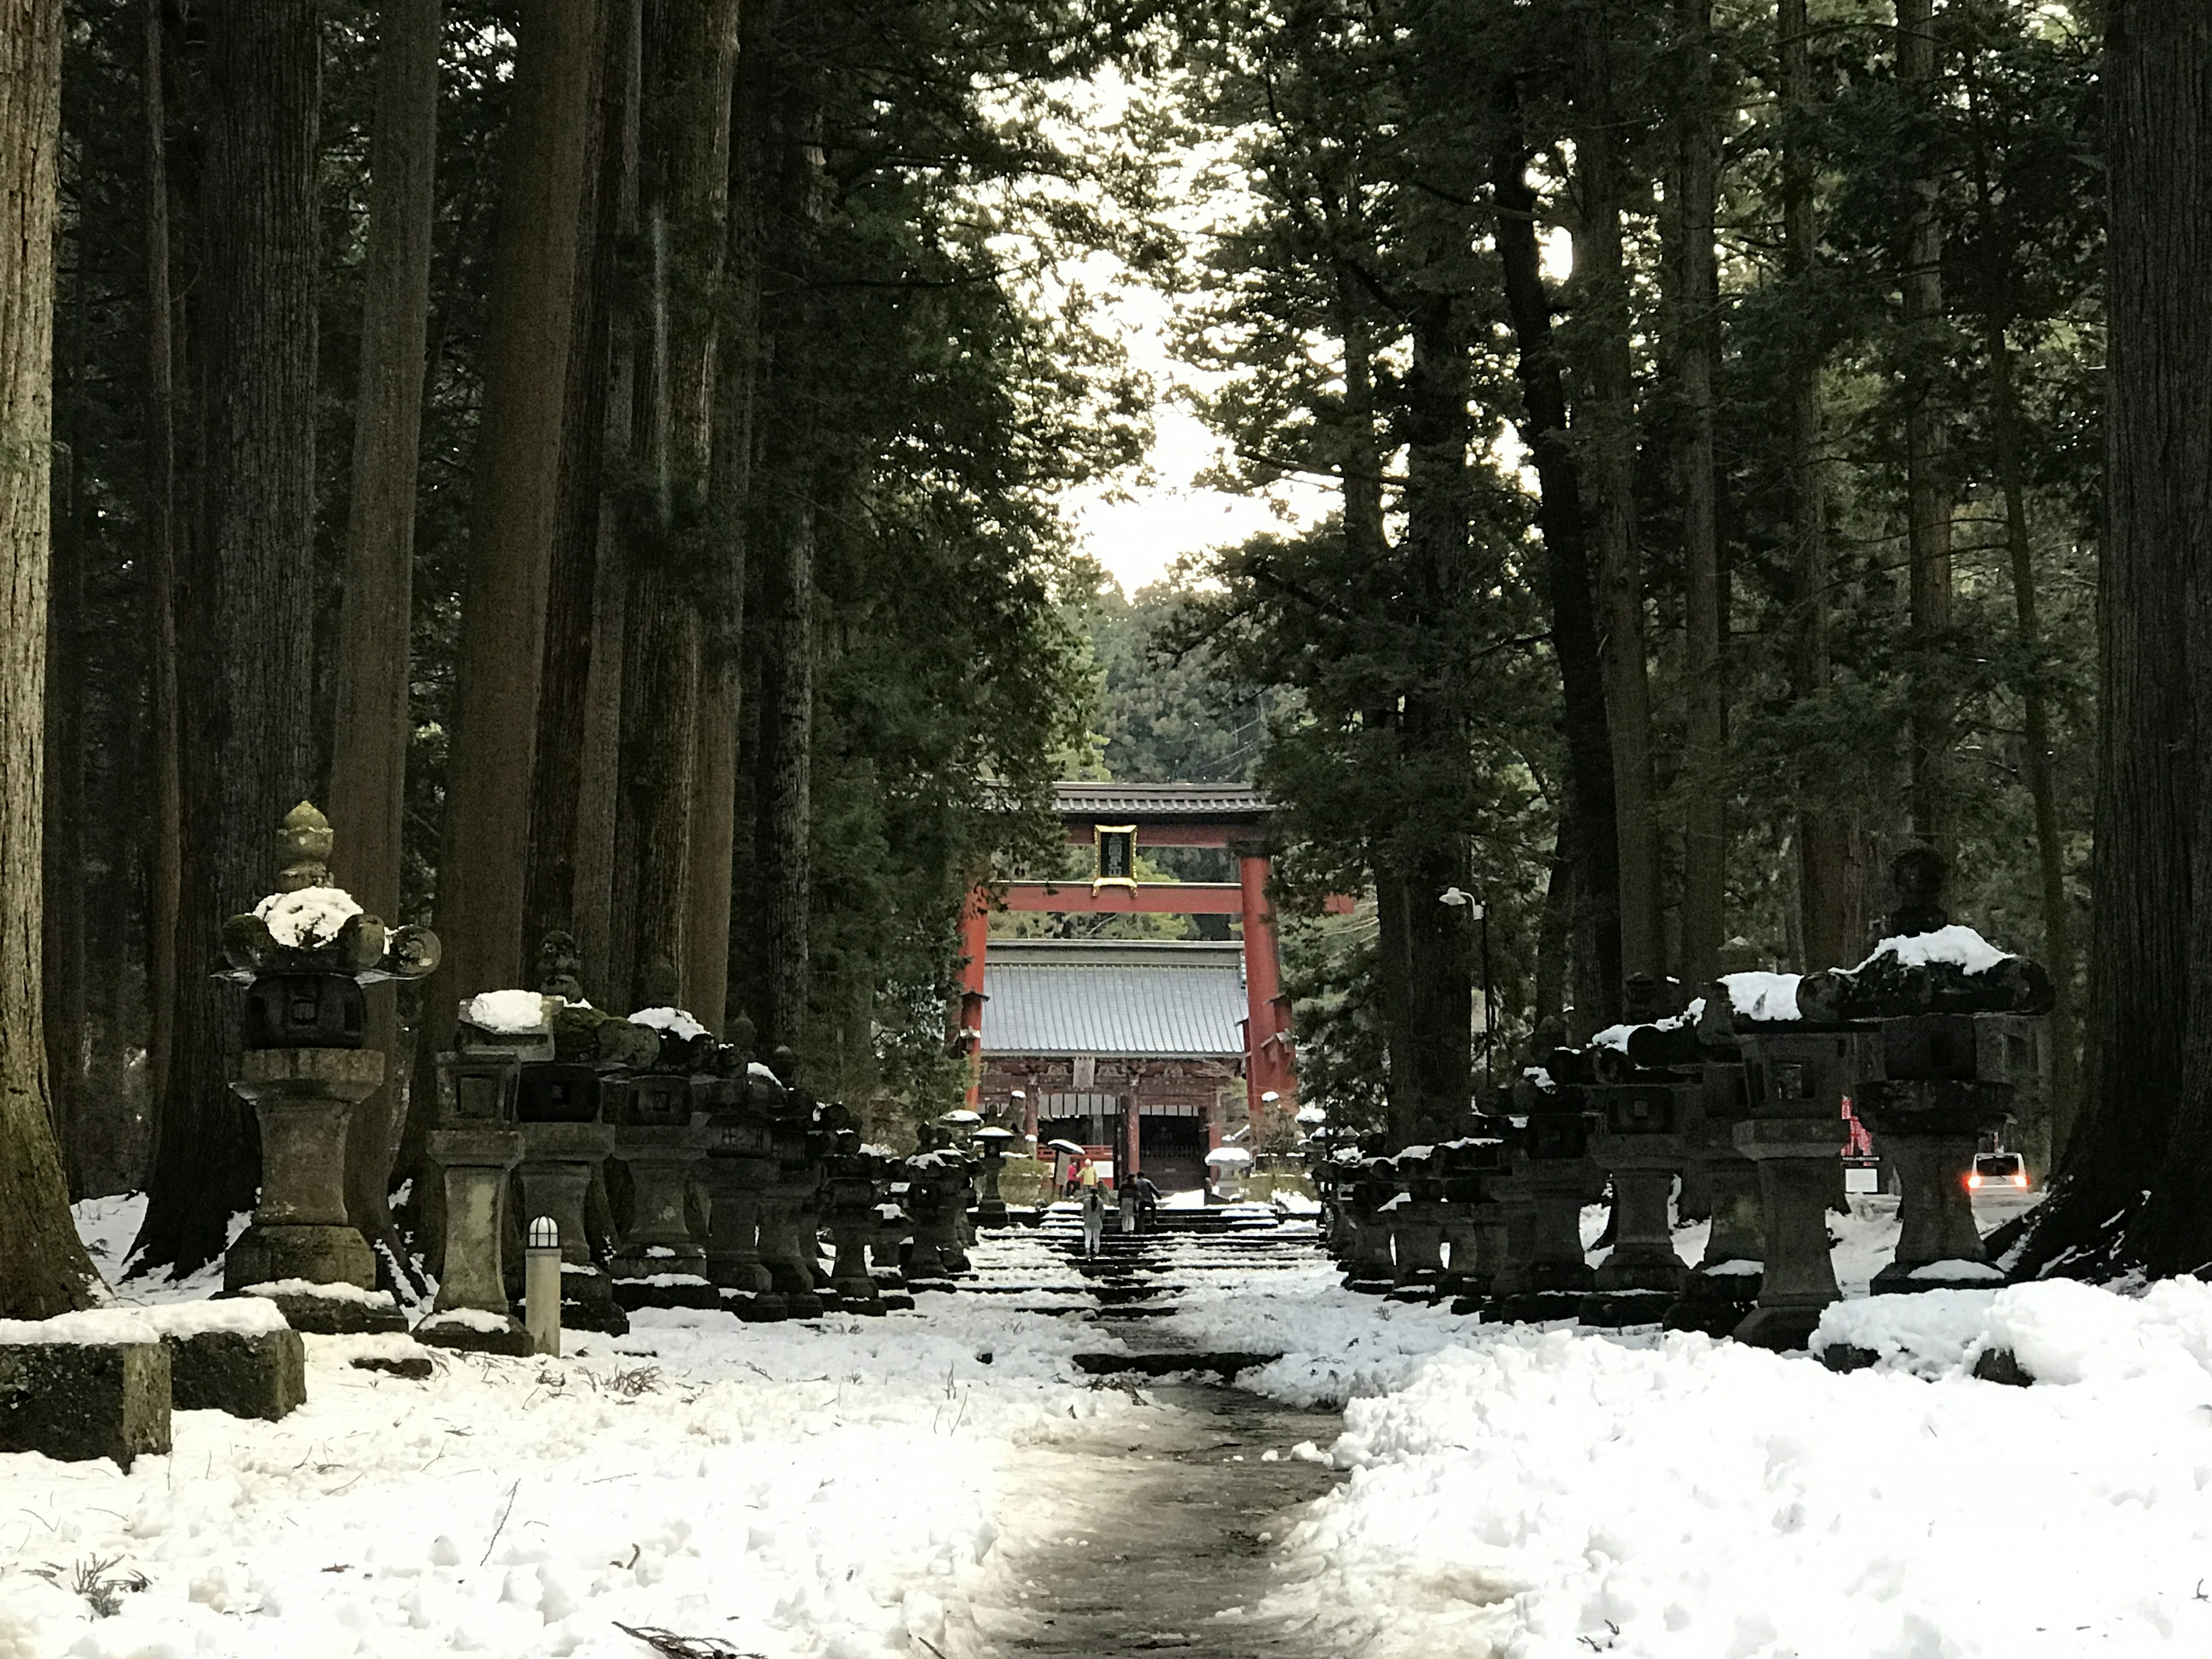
x=1137 y=1199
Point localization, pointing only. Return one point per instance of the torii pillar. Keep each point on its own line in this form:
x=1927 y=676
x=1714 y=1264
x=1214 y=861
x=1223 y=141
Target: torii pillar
x=974 y=940
x=1267 y=1050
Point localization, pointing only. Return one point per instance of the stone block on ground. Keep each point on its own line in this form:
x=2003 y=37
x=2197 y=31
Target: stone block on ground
x=236 y=1355
x=84 y=1385
x=473 y=1330
x=321 y=1310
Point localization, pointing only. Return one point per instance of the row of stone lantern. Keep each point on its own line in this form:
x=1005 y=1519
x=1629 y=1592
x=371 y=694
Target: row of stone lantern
x=733 y=1172
x=1933 y=1040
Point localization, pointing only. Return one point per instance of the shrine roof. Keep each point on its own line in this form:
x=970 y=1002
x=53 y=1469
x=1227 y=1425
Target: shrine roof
x=1154 y=802
x=1110 y=997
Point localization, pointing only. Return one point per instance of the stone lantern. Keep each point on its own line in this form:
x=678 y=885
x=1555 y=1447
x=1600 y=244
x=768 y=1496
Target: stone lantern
x=478 y=1142
x=1639 y=1144
x=1371 y=1269
x=1961 y=1036
x=1474 y=1221
x=788 y=1243
x=1416 y=1222
x=894 y=1228
x=741 y=1166
x=303 y=954
x=991 y=1144
x=1796 y=1074
x=1549 y=1274
x=853 y=1192
x=1719 y=1292
x=662 y=1140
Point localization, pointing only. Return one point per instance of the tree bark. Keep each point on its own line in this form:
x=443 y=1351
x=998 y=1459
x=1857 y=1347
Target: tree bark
x=691 y=55
x=714 y=819
x=370 y=740
x=2148 y=1076
x=784 y=848
x=247 y=599
x=1831 y=853
x=64 y=1007
x=1606 y=434
x=1927 y=512
x=1559 y=520
x=44 y=1269
x=1696 y=326
x=561 y=798
x=165 y=850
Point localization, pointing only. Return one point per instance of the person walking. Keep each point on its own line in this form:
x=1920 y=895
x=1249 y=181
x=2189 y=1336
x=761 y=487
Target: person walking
x=1094 y=1220
x=1126 y=1195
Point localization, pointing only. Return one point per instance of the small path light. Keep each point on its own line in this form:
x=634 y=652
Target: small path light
x=541 y=1286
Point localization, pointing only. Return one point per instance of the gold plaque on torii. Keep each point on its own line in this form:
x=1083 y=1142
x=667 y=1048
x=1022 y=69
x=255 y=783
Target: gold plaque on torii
x=1115 y=851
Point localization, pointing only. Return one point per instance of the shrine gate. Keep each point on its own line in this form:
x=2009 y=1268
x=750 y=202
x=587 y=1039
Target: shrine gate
x=1117 y=820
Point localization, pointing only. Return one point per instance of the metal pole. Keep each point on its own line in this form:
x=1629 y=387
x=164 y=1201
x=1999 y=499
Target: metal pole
x=541 y=1286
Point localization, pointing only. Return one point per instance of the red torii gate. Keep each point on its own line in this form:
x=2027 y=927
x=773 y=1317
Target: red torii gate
x=1117 y=819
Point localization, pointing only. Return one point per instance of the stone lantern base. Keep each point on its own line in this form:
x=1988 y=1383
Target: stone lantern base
x=1797 y=1158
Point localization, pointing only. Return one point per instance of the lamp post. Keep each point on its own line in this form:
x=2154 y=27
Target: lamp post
x=1460 y=898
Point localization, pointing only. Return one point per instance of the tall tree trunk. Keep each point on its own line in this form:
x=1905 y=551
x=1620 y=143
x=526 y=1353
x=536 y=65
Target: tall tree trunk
x=691 y=55
x=1831 y=855
x=562 y=796
x=247 y=599
x=1606 y=433
x=599 y=765
x=714 y=819
x=546 y=172
x=2148 y=1103
x=165 y=848
x=1695 y=326
x=1928 y=491
x=784 y=844
x=368 y=749
x=1592 y=838
x=65 y=850
x=43 y=1268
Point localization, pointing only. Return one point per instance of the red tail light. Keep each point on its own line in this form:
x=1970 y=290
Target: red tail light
x=1975 y=1179
x=2020 y=1178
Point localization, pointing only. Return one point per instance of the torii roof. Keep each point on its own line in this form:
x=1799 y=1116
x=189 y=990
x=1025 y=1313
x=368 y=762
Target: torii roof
x=1109 y=997
x=1161 y=803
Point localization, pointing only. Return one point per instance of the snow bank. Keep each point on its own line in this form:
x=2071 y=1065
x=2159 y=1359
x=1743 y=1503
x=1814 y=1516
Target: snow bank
x=1931 y=1332
x=510 y=1013
x=310 y=917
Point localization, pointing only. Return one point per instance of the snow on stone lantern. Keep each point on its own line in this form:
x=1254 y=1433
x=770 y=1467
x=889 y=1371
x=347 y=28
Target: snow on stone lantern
x=660 y=1139
x=1961 y=1036
x=1797 y=1071
x=303 y=954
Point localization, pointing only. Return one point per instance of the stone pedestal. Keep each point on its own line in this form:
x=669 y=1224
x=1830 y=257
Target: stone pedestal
x=558 y=1162
x=1372 y=1268
x=1797 y=1159
x=658 y=1263
x=1929 y=1129
x=472 y=1312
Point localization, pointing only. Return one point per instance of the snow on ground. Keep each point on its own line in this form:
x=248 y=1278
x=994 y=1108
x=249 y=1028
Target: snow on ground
x=792 y=1491
x=1546 y=1493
